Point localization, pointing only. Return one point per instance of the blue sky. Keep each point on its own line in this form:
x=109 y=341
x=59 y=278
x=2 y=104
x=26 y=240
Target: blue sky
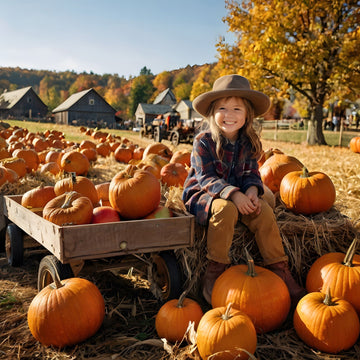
x=110 y=36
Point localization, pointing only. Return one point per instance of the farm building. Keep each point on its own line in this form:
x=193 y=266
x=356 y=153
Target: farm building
x=186 y=111
x=22 y=103
x=146 y=113
x=85 y=108
x=166 y=97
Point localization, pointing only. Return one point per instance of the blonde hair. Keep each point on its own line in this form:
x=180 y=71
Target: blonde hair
x=249 y=129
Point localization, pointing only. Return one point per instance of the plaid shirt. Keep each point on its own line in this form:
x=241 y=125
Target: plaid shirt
x=210 y=178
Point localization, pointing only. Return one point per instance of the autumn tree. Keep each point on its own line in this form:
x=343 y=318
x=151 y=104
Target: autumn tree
x=309 y=47
x=141 y=91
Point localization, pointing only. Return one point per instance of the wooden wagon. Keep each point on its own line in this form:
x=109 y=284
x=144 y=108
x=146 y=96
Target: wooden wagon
x=69 y=248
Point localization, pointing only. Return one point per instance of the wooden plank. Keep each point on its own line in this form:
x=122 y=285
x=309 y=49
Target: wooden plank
x=92 y=241
x=43 y=231
x=2 y=216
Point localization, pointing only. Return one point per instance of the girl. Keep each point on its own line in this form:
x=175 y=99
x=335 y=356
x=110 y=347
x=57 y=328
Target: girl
x=224 y=183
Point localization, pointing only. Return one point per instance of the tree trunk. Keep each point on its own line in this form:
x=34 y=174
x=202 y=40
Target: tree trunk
x=315 y=135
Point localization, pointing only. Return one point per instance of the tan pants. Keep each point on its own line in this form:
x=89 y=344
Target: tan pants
x=223 y=218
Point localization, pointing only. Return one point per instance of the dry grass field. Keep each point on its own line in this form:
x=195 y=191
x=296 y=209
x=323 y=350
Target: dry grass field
x=128 y=330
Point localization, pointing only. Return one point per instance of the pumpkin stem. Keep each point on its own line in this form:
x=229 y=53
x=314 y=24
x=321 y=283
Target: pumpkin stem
x=68 y=199
x=327 y=301
x=305 y=173
x=227 y=315
x=350 y=254
x=181 y=299
x=251 y=266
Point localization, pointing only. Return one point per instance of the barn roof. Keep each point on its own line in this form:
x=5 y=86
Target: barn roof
x=162 y=96
x=71 y=100
x=9 y=98
x=155 y=108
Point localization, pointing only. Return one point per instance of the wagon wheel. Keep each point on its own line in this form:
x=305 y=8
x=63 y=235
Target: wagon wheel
x=49 y=265
x=142 y=133
x=157 y=134
x=166 y=275
x=175 y=138
x=14 y=245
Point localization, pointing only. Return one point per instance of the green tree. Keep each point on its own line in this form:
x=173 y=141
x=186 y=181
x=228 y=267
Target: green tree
x=141 y=91
x=310 y=47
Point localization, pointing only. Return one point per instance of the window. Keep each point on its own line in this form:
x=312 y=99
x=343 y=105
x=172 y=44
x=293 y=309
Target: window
x=91 y=101
x=29 y=100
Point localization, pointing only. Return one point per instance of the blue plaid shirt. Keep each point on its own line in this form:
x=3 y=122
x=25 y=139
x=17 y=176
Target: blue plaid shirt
x=210 y=178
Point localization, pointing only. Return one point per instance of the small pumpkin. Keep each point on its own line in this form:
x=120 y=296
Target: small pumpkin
x=71 y=208
x=276 y=167
x=50 y=167
x=227 y=332
x=134 y=193
x=307 y=193
x=325 y=323
x=16 y=164
x=173 y=174
x=90 y=153
x=265 y=154
x=257 y=291
x=102 y=190
x=123 y=154
x=172 y=320
x=182 y=157
x=355 y=144
x=338 y=272
x=66 y=312
x=158 y=149
x=36 y=199
x=75 y=161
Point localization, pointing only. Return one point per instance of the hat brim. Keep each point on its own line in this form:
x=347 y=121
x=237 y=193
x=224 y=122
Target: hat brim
x=260 y=102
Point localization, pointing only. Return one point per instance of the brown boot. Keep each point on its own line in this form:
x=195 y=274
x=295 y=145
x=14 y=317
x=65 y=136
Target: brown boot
x=296 y=291
x=212 y=272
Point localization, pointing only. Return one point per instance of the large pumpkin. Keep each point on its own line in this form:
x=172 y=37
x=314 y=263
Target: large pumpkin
x=182 y=157
x=172 y=320
x=66 y=313
x=81 y=184
x=307 y=193
x=226 y=332
x=30 y=156
x=16 y=164
x=134 y=193
x=71 y=208
x=338 y=272
x=257 y=291
x=276 y=167
x=355 y=144
x=326 y=324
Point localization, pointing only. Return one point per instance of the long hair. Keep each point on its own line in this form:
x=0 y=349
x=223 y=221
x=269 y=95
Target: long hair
x=248 y=129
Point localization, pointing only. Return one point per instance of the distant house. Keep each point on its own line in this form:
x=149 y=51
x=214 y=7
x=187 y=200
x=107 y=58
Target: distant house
x=146 y=113
x=86 y=108
x=166 y=97
x=22 y=103
x=186 y=110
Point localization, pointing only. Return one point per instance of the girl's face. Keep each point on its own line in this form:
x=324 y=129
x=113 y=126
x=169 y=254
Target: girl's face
x=230 y=116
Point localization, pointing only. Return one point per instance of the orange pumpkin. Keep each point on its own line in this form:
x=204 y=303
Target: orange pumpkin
x=307 y=193
x=16 y=164
x=257 y=291
x=30 y=156
x=172 y=320
x=173 y=174
x=51 y=167
x=87 y=144
x=138 y=153
x=134 y=193
x=326 y=324
x=81 y=184
x=156 y=162
x=182 y=157
x=266 y=154
x=276 y=167
x=103 y=149
x=158 y=149
x=66 y=312
x=338 y=272
x=102 y=190
x=36 y=199
x=54 y=156
x=7 y=175
x=75 y=161
x=4 y=153
x=90 y=153
x=355 y=144
x=226 y=332
x=71 y=208
x=123 y=154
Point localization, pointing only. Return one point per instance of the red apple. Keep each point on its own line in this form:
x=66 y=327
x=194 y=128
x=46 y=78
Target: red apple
x=104 y=214
x=161 y=212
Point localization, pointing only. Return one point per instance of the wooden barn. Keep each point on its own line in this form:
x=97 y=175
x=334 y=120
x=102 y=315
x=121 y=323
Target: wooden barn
x=186 y=110
x=22 y=103
x=166 y=97
x=146 y=113
x=86 y=108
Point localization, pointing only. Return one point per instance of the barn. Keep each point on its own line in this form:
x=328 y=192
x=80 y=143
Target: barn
x=86 y=108
x=22 y=103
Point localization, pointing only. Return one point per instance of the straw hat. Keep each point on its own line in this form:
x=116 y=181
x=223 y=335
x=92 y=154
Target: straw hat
x=232 y=85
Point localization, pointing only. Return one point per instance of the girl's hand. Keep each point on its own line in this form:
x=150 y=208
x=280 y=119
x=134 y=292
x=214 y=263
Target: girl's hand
x=245 y=204
x=252 y=194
